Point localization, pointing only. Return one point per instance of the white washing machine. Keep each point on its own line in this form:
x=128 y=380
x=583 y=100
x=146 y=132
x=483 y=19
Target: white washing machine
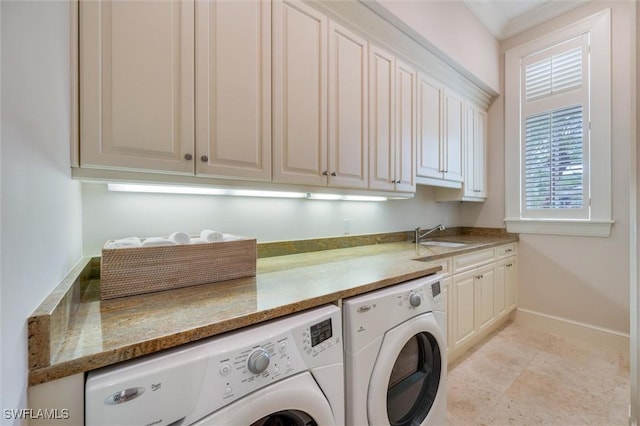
x=396 y=355
x=288 y=371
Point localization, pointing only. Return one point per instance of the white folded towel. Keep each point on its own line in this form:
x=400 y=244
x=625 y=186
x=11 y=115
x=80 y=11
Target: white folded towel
x=180 y=238
x=124 y=243
x=210 y=236
x=157 y=241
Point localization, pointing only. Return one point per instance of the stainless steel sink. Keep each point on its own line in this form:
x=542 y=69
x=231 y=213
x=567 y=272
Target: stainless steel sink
x=443 y=244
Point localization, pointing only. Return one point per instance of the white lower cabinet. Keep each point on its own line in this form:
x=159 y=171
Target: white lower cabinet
x=485 y=286
x=481 y=292
x=464 y=308
x=509 y=271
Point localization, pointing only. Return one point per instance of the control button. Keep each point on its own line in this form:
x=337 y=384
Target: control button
x=225 y=369
x=415 y=300
x=282 y=348
x=258 y=361
x=228 y=390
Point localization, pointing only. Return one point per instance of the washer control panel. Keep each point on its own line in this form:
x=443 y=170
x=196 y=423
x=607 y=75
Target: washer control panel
x=369 y=315
x=253 y=358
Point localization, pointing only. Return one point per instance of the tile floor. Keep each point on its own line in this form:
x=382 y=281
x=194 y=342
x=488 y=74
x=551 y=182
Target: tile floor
x=524 y=376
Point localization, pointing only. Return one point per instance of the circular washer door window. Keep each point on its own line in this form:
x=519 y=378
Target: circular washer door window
x=414 y=381
x=286 y=418
x=406 y=378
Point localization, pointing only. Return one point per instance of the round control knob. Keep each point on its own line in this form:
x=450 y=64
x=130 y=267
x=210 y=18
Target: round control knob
x=414 y=300
x=258 y=361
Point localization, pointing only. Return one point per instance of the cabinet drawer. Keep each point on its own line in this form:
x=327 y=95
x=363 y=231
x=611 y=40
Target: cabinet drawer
x=464 y=262
x=444 y=263
x=506 y=250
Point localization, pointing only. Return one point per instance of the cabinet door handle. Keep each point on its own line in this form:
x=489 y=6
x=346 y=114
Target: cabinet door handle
x=334 y=174
x=325 y=173
x=204 y=158
x=188 y=157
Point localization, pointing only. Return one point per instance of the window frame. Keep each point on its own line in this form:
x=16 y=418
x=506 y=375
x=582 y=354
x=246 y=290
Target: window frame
x=597 y=220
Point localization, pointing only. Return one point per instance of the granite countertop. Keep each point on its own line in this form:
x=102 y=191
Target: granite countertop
x=74 y=332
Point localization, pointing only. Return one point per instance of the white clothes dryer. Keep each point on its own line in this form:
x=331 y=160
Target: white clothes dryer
x=396 y=355
x=287 y=371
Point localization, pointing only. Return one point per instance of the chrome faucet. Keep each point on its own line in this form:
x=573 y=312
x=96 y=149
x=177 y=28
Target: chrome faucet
x=429 y=231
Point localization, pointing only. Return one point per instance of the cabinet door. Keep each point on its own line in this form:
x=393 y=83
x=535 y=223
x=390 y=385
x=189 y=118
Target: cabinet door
x=480 y=155
x=486 y=287
x=469 y=157
x=429 y=144
x=137 y=85
x=499 y=294
x=475 y=152
x=299 y=94
x=464 y=322
x=233 y=83
x=381 y=119
x=348 y=109
x=453 y=120
x=511 y=283
x=405 y=127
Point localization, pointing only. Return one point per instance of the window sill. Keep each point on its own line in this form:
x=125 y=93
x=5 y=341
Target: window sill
x=582 y=228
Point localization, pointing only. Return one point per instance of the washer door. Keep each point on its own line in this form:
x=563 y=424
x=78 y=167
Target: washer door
x=293 y=401
x=405 y=381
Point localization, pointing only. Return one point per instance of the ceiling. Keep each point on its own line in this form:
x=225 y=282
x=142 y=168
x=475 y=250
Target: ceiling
x=505 y=18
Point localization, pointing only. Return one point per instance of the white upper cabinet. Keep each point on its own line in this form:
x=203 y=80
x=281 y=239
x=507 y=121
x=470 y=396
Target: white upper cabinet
x=299 y=94
x=392 y=122
x=145 y=106
x=137 y=85
x=430 y=148
x=440 y=134
x=453 y=131
x=475 y=170
x=233 y=82
x=348 y=109
x=320 y=100
x=269 y=91
x=405 y=172
x=382 y=137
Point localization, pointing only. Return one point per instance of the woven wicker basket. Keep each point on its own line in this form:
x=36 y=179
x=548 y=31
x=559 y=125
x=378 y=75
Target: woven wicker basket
x=139 y=270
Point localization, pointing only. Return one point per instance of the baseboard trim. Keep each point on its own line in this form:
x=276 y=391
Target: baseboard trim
x=603 y=337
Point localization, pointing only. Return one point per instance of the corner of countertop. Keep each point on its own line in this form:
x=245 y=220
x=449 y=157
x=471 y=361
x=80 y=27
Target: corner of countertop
x=51 y=318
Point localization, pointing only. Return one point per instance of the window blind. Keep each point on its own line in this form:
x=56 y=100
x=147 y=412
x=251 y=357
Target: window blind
x=553 y=172
x=554 y=74
x=554 y=159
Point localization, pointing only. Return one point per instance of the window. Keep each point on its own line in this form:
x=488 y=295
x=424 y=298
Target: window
x=558 y=154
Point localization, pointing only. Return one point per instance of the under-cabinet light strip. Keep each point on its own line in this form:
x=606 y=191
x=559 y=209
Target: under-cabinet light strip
x=170 y=189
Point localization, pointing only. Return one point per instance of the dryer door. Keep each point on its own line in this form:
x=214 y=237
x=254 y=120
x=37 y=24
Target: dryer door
x=407 y=384
x=295 y=401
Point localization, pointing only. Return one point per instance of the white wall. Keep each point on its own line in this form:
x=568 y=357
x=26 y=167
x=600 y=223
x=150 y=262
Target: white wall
x=41 y=209
x=109 y=215
x=577 y=278
x=454 y=30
